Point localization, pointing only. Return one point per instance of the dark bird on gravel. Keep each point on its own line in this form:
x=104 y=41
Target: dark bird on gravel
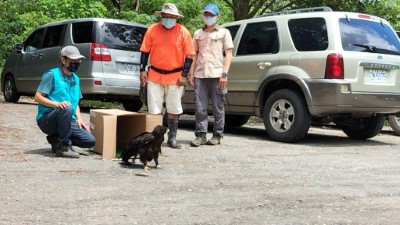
x=147 y=145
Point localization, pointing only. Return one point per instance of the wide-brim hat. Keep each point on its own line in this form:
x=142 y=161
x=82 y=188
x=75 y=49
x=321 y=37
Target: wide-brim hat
x=71 y=52
x=168 y=8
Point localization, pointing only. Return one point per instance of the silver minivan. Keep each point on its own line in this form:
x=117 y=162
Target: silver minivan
x=110 y=71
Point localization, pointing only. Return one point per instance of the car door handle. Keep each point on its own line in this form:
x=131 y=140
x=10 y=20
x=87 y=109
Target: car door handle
x=263 y=65
x=41 y=56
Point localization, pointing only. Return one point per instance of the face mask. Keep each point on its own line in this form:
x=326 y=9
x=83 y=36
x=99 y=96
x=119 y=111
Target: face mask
x=210 y=20
x=73 y=67
x=168 y=22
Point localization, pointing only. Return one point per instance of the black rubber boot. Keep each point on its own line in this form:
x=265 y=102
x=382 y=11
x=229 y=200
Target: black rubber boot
x=173 y=128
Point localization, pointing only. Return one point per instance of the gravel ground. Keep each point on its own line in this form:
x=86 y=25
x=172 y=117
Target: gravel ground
x=248 y=179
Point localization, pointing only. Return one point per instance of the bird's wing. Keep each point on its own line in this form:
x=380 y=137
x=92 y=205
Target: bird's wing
x=145 y=139
x=134 y=145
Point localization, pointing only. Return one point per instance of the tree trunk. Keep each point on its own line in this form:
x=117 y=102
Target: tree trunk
x=241 y=9
x=117 y=4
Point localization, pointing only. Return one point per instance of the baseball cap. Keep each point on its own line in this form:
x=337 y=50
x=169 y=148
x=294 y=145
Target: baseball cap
x=71 y=52
x=168 y=8
x=212 y=8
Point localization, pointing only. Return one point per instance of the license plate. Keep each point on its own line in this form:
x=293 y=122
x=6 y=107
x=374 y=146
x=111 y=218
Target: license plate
x=378 y=75
x=130 y=68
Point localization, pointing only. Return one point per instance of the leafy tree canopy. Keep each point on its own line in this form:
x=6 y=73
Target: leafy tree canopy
x=22 y=16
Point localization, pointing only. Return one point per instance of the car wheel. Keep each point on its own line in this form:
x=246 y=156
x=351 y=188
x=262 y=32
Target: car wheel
x=10 y=90
x=236 y=120
x=365 y=128
x=286 y=117
x=394 y=122
x=133 y=105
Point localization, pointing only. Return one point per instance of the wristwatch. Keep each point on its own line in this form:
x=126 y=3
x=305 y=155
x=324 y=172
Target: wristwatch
x=224 y=74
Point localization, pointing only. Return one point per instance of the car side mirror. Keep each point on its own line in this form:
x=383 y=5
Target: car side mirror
x=19 y=47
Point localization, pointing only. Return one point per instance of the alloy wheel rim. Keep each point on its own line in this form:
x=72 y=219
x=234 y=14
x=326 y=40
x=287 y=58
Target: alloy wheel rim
x=282 y=115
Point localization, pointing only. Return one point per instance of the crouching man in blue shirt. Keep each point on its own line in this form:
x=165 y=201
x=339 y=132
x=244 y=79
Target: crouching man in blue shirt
x=59 y=114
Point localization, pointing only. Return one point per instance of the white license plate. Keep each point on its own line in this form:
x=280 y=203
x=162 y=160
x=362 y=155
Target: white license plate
x=378 y=75
x=130 y=68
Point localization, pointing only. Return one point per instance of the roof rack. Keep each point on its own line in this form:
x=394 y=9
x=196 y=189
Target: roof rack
x=304 y=10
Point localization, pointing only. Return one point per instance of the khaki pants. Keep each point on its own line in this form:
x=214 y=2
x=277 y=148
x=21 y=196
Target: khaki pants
x=157 y=94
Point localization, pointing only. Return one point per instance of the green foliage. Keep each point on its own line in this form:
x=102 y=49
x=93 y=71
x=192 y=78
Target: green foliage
x=382 y=8
x=22 y=16
x=94 y=104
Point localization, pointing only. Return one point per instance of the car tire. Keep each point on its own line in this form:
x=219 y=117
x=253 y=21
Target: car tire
x=394 y=122
x=133 y=105
x=10 y=90
x=365 y=127
x=286 y=116
x=236 y=120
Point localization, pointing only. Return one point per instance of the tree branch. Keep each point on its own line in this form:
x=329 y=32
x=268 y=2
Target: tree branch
x=230 y=4
x=263 y=5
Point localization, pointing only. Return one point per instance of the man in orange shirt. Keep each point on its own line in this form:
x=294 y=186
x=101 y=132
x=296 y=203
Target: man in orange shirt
x=171 y=49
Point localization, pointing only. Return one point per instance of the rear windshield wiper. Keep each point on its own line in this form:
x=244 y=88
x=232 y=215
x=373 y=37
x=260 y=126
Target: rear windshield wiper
x=371 y=48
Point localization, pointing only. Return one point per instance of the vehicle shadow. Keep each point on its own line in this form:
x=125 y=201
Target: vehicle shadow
x=317 y=137
x=20 y=102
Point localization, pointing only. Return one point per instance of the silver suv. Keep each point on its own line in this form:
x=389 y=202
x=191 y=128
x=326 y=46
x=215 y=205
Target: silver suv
x=111 y=68
x=312 y=66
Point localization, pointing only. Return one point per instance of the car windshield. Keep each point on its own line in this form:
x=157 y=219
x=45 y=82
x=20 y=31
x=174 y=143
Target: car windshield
x=121 y=36
x=368 y=36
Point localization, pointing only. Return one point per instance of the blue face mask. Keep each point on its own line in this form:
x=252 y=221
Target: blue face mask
x=210 y=20
x=168 y=22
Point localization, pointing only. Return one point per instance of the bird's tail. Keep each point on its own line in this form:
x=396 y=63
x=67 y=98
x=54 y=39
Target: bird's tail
x=124 y=155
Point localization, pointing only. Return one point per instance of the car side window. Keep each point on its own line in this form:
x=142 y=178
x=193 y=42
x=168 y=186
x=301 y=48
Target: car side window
x=233 y=30
x=259 y=38
x=82 y=32
x=309 y=34
x=53 y=36
x=34 y=41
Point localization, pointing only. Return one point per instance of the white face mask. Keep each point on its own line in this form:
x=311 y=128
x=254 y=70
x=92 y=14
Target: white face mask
x=168 y=22
x=210 y=20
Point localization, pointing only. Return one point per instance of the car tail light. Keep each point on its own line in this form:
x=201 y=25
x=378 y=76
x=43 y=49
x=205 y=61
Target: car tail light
x=98 y=82
x=100 y=52
x=334 y=67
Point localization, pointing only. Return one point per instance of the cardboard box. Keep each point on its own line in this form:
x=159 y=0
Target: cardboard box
x=114 y=128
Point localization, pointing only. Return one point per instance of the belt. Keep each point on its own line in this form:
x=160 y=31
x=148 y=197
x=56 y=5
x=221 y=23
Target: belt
x=165 y=71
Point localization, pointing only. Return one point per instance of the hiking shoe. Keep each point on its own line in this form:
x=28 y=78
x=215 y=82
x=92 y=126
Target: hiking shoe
x=66 y=151
x=200 y=140
x=53 y=140
x=215 y=140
